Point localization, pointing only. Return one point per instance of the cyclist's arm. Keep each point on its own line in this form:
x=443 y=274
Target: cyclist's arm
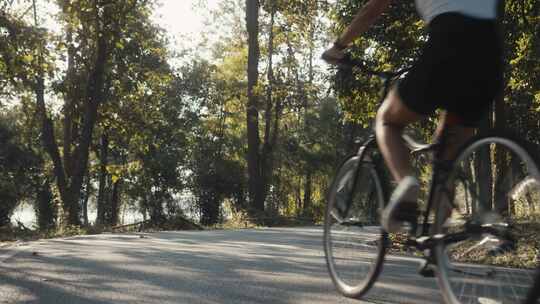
x=365 y=17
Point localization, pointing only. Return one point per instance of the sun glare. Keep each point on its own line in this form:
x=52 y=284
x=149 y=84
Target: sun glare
x=183 y=18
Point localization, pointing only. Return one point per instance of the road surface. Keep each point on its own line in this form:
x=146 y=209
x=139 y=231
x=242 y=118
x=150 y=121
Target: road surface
x=278 y=266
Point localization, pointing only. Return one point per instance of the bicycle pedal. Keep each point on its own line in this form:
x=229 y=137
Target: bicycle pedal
x=502 y=248
x=427 y=269
x=424 y=242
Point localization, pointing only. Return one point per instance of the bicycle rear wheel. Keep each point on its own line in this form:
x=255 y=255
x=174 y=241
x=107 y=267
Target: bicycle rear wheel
x=490 y=251
x=354 y=242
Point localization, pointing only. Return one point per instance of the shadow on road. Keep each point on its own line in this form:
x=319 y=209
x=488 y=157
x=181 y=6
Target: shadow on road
x=245 y=266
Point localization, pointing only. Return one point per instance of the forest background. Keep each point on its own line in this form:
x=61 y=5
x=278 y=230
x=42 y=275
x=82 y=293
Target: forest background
x=102 y=114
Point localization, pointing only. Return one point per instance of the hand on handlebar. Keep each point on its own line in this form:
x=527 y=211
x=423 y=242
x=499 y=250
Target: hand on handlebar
x=333 y=55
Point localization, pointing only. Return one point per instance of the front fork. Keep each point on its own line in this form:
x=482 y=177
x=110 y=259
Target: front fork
x=362 y=156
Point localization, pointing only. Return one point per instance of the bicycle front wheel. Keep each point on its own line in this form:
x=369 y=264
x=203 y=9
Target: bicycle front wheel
x=354 y=242
x=489 y=252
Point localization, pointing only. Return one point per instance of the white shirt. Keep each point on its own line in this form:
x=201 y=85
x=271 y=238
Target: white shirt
x=483 y=9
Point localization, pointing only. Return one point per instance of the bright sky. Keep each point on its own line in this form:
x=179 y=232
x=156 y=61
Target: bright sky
x=184 y=17
x=179 y=16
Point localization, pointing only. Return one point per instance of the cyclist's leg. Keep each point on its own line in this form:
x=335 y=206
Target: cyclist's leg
x=456 y=134
x=393 y=116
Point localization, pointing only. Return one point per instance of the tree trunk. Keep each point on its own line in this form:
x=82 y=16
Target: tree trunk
x=94 y=97
x=484 y=174
x=504 y=179
x=298 y=197
x=308 y=168
x=271 y=122
x=103 y=159
x=256 y=197
x=70 y=176
x=85 y=200
x=210 y=210
x=156 y=209
x=501 y=161
x=483 y=169
x=49 y=140
x=69 y=121
x=307 y=195
x=45 y=209
x=115 y=203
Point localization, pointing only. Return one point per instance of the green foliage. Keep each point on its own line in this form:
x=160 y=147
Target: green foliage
x=177 y=136
x=18 y=165
x=522 y=57
x=19 y=44
x=215 y=179
x=392 y=43
x=216 y=171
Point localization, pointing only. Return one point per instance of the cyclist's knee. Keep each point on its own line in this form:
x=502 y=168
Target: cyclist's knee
x=393 y=113
x=384 y=121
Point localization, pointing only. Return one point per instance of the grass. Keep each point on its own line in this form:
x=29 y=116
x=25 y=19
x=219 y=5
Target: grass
x=526 y=255
x=11 y=234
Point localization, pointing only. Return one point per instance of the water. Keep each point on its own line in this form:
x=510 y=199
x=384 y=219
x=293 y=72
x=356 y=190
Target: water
x=25 y=214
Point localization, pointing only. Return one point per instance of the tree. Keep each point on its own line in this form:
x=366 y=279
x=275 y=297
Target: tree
x=255 y=182
x=92 y=30
x=24 y=172
x=20 y=167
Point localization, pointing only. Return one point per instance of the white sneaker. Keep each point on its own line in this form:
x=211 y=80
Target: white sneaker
x=403 y=206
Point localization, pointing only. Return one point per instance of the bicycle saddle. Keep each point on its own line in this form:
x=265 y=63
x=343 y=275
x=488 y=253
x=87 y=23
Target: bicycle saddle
x=417 y=147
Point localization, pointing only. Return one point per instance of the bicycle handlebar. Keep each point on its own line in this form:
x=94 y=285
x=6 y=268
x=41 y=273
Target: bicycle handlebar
x=348 y=62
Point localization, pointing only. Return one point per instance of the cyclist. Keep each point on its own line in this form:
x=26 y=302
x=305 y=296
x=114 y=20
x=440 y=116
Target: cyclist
x=458 y=71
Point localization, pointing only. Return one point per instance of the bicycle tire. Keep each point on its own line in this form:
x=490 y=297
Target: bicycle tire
x=484 y=266
x=533 y=297
x=355 y=244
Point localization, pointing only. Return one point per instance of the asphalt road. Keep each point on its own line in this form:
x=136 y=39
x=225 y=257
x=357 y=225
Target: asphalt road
x=277 y=266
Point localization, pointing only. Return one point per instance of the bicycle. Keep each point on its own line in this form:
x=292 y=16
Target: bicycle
x=468 y=228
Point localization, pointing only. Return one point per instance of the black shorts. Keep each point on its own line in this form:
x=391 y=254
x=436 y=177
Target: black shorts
x=459 y=69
